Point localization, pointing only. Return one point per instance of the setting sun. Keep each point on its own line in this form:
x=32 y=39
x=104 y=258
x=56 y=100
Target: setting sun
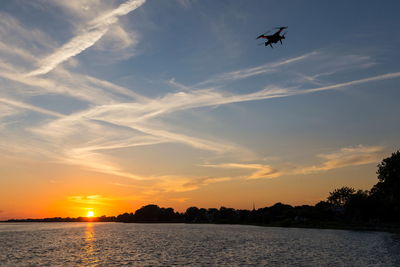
x=90 y=214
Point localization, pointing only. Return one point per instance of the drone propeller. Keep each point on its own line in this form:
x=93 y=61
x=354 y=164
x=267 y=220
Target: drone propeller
x=281 y=28
x=261 y=35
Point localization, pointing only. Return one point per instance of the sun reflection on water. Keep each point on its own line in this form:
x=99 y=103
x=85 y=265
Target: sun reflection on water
x=89 y=251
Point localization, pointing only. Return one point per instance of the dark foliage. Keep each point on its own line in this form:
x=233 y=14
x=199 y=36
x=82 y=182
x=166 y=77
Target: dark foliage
x=339 y=197
x=386 y=193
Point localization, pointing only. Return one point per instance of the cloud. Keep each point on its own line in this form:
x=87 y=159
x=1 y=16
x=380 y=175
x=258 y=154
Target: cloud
x=346 y=157
x=130 y=114
x=82 y=9
x=116 y=39
x=96 y=162
x=88 y=37
x=22 y=105
x=253 y=71
x=198 y=143
x=15 y=52
x=179 y=199
x=177 y=85
x=259 y=170
x=20 y=44
x=196 y=183
x=184 y=184
x=140 y=116
x=72 y=48
x=7 y=110
x=65 y=83
x=184 y=3
x=91 y=200
x=172 y=183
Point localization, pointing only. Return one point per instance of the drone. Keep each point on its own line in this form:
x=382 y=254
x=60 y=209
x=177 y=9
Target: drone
x=274 y=38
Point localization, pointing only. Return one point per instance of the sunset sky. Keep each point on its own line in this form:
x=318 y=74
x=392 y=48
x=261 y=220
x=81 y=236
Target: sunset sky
x=109 y=105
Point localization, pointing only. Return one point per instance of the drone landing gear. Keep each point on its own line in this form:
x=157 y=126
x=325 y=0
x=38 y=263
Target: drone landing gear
x=266 y=44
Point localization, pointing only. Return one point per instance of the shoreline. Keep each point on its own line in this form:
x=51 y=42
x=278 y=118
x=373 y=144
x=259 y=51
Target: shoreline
x=388 y=228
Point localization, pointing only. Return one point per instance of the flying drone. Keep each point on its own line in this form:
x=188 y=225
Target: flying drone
x=274 y=38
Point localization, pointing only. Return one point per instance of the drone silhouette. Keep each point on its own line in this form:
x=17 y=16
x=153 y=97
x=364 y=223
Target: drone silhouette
x=274 y=38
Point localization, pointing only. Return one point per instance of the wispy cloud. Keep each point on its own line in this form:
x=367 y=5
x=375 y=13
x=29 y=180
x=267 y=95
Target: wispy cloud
x=96 y=162
x=22 y=105
x=7 y=110
x=98 y=200
x=196 y=183
x=139 y=116
x=354 y=82
x=184 y=3
x=184 y=184
x=20 y=44
x=88 y=37
x=117 y=39
x=203 y=98
x=180 y=199
x=346 y=157
x=82 y=9
x=172 y=183
x=64 y=83
x=258 y=170
x=253 y=71
x=90 y=200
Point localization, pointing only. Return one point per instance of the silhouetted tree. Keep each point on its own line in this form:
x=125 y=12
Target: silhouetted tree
x=244 y=216
x=126 y=217
x=305 y=213
x=324 y=210
x=358 y=206
x=191 y=214
x=386 y=193
x=340 y=196
x=211 y=214
x=226 y=215
x=280 y=211
x=148 y=213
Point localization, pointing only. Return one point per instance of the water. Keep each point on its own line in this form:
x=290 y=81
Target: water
x=117 y=244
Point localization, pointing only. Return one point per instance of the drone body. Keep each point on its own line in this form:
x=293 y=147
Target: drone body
x=274 y=38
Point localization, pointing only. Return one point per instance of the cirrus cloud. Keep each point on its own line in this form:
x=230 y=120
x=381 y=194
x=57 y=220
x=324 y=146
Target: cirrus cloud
x=346 y=157
x=96 y=29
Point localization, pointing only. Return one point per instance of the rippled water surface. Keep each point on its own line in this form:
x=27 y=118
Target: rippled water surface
x=116 y=244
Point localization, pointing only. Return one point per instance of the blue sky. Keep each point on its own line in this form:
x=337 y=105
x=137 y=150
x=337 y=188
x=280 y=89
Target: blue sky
x=175 y=102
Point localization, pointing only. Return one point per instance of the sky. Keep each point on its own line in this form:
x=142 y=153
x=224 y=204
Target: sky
x=109 y=105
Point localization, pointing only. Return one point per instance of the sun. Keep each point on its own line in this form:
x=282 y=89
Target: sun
x=90 y=213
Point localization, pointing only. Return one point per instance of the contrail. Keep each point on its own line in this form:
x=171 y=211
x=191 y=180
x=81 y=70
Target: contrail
x=89 y=36
x=355 y=82
x=30 y=107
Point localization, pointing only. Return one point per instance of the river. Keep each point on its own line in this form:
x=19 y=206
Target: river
x=118 y=244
